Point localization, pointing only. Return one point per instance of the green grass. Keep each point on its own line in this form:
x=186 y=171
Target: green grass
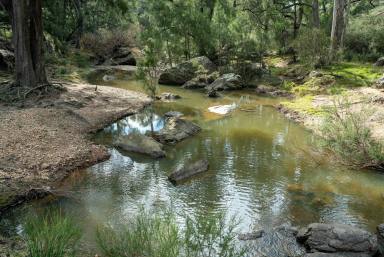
x=51 y=236
x=160 y=236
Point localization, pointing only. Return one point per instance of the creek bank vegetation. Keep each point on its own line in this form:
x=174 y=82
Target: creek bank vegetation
x=159 y=234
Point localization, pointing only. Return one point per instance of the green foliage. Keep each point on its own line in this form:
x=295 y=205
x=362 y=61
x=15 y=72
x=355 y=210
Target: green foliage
x=365 y=37
x=51 y=236
x=160 y=236
x=145 y=235
x=349 y=74
x=313 y=47
x=149 y=69
x=346 y=133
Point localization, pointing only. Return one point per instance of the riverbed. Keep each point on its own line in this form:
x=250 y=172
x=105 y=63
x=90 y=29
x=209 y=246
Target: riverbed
x=264 y=169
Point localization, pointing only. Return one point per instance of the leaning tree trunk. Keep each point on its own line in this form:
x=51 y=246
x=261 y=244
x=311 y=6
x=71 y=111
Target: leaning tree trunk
x=27 y=29
x=338 y=26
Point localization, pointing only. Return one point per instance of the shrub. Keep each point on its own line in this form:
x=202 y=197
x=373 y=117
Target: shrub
x=160 y=236
x=312 y=46
x=104 y=42
x=346 y=133
x=51 y=236
x=365 y=38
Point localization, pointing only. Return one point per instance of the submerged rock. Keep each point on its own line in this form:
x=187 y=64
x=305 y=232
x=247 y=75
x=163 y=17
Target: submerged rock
x=223 y=109
x=185 y=71
x=338 y=238
x=173 y=114
x=251 y=236
x=188 y=171
x=168 y=97
x=175 y=130
x=229 y=81
x=142 y=144
x=348 y=254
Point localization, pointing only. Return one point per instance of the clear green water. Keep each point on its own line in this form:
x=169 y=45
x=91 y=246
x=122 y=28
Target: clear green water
x=262 y=170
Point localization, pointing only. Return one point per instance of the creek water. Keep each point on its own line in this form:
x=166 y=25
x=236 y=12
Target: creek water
x=263 y=170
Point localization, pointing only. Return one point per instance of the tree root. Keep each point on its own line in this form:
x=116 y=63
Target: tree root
x=10 y=92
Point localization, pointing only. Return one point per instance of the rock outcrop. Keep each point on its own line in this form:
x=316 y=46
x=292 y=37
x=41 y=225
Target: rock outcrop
x=122 y=56
x=176 y=130
x=188 y=171
x=338 y=239
x=186 y=71
x=142 y=144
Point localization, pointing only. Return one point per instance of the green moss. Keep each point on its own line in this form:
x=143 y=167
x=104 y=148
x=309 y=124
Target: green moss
x=303 y=105
x=349 y=74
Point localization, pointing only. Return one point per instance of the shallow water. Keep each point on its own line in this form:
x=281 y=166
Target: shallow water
x=262 y=170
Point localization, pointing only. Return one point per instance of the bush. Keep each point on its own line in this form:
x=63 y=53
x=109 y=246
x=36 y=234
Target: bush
x=160 y=236
x=104 y=42
x=346 y=133
x=51 y=236
x=312 y=46
x=364 y=39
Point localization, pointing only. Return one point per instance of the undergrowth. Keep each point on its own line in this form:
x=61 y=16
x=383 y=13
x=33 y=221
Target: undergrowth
x=160 y=236
x=345 y=133
x=51 y=236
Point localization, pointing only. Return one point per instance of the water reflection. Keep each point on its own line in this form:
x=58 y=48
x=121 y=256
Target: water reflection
x=260 y=170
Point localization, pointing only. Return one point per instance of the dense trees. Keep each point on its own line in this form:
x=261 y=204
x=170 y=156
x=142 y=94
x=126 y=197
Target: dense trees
x=223 y=30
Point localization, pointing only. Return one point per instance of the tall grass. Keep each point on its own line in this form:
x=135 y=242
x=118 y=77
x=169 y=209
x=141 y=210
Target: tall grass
x=51 y=236
x=159 y=236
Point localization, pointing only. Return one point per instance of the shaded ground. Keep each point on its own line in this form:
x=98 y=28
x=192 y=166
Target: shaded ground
x=41 y=143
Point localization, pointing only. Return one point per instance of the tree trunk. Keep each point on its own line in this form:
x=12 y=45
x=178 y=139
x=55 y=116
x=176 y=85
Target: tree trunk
x=27 y=29
x=337 y=26
x=315 y=14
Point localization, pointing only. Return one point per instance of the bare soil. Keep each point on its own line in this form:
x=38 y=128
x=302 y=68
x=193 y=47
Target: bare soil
x=42 y=141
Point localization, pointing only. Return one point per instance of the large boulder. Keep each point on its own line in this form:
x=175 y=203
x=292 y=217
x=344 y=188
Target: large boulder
x=380 y=62
x=380 y=83
x=188 y=171
x=338 y=238
x=229 y=81
x=121 y=56
x=176 y=130
x=186 y=71
x=201 y=81
x=142 y=144
x=7 y=60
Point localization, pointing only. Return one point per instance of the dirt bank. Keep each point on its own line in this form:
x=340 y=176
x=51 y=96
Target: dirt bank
x=40 y=144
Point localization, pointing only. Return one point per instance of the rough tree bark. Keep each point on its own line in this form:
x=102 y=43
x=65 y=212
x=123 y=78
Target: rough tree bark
x=338 y=26
x=27 y=31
